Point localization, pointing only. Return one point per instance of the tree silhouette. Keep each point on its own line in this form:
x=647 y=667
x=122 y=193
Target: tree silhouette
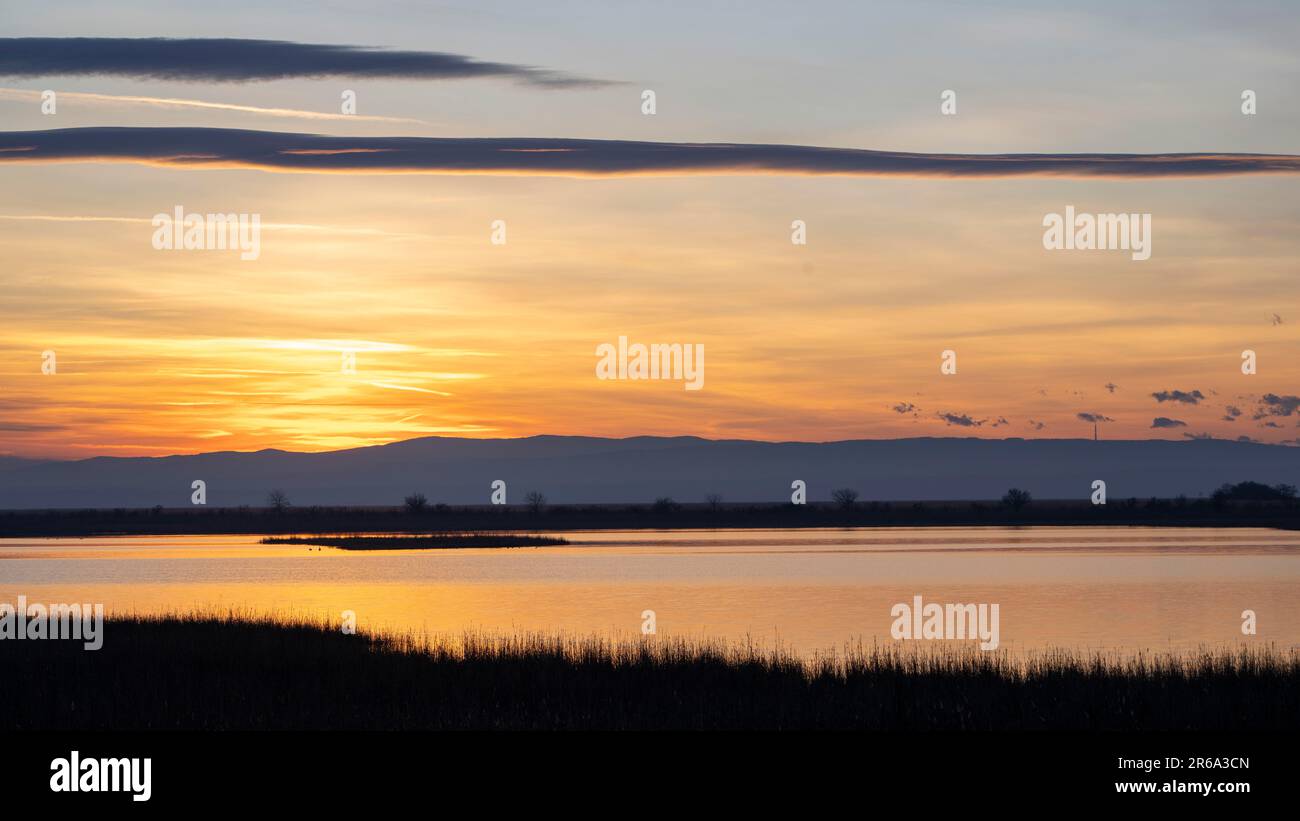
x=1016 y=498
x=845 y=497
x=1254 y=491
x=536 y=501
x=665 y=504
x=277 y=500
x=416 y=503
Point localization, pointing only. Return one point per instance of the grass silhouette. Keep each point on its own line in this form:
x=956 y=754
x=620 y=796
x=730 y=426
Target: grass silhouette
x=233 y=671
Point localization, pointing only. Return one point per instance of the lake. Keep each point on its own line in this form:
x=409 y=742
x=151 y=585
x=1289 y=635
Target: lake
x=1095 y=588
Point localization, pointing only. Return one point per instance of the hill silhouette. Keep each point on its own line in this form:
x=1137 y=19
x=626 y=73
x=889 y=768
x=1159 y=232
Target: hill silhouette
x=578 y=469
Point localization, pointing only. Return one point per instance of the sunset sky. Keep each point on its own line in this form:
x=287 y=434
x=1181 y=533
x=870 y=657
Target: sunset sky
x=177 y=352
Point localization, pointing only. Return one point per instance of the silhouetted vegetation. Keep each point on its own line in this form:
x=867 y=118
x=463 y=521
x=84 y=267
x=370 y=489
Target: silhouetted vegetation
x=228 y=673
x=432 y=541
x=277 y=500
x=416 y=503
x=1227 y=509
x=536 y=502
x=1254 y=492
x=845 y=497
x=665 y=505
x=1015 y=498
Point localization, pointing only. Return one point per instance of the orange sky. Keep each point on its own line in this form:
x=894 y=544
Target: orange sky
x=163 y=352
x=168 y=352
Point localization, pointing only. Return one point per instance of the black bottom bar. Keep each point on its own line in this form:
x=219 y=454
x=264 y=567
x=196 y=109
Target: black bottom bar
x=640 y=770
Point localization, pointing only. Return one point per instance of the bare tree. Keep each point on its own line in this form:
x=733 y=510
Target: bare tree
x=416 y=503
x=715 y=502
x=845 y=497
x=278 y=500
x=1016 y=498
x=536 y=501
x=665 y=504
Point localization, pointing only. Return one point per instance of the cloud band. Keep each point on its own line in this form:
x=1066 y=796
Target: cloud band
x=280 y=151
x=230 y=60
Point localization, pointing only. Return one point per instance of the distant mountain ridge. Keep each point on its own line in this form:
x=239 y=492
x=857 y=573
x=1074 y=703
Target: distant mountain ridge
x=580 y=469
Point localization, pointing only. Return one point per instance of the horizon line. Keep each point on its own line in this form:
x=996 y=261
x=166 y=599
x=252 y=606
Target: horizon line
x=1183 y=440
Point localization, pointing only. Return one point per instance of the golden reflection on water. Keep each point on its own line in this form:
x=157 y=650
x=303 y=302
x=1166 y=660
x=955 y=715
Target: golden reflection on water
x=1080 y=588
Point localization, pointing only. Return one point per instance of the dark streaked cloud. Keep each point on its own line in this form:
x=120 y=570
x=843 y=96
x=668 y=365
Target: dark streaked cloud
x=1185 y=397
x=237 y=61
x=961 y=420
x=1166 y=422
x=906 y=408
x=274 y=150
x=1270 y=404
x=27 y=427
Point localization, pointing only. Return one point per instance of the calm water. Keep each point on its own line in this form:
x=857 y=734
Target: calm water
x=810 y=590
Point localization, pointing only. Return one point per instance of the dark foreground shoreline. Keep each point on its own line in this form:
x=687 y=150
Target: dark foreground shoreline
x=338 y=520
x=229 y=673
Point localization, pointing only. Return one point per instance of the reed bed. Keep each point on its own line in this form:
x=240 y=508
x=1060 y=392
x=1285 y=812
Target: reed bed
x=236 y=670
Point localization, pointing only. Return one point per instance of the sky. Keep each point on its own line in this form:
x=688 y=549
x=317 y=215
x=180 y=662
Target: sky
x=160 y=352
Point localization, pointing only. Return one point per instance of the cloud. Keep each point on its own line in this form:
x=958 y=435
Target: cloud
x=393 y=387
x=1198 y=436
x=284 y=151
x=25 y=427
x=961 y=420
x=1037 y=425
x=905 y=408
x=267 y=226
x=229 y=60
x=1186 y=397
x=1230 y=413
x=1270 y=404
x=1094 y=417
x=1166 y=422
x=1111 y=387
x=123 y=101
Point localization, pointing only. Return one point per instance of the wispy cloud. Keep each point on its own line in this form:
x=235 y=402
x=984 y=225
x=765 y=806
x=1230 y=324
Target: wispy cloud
x=269 y=226
x=126 y=101
x=230 y=60
x=282 y=151
x=394 y=387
